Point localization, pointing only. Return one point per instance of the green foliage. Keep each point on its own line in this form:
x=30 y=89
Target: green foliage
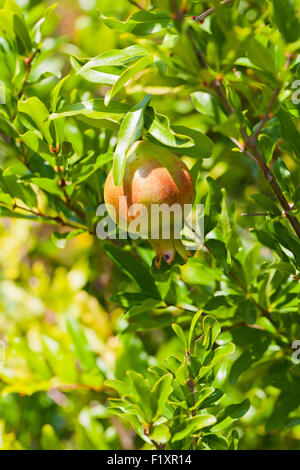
x=99 y=343
x=176 y=402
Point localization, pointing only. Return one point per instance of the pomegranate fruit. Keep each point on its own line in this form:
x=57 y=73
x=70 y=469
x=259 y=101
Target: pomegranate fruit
x=153 y=176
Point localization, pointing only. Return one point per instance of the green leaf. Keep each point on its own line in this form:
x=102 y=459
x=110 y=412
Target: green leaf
x=19 y=25
x=60 y=239
x=145 y=322
x=55 y=92
x=213 y=205
x=181 y=140
x=248 y=358
x=6 y=199
x=287 y=239
x=115 y=57
x=220 y=253
x=160 y=394
x=49 y=438
x=282 y=174
x=141 y=393
x=94 y=76
x=266 y=203
x=203 y=145
x=234 y=436
x=22 y=33
x=211 y=329
x=216 y=303
x=221 y=352
x=38 y=112
x=128 y=75
x=94 y=109
x=48 y=185
x=192 y=333
x=130 y=131
x=84 y=170
x=18 y=188
x=34 y=140
x=289 y=131
x=266 y=238
x=146 y=306
x=180 y=333
x=285 y=267
x=140 y=23
x=204 y=393
x=285 y=16
x=137 y=272
x=230 y=414
x=101 y=123
x=12 y=6
x=215 y=441
x=192 y=425
x=247 y=311
x=286 y=402
x=267 y=146
x=160 y=434
x=122 y=388
x=207 y=104
x=260 y=55
x=82 y=349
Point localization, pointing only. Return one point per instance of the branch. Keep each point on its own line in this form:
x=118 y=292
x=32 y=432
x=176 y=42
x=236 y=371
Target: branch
x=242 y=149
x=259 y=160
x=201 y=18
x=62 y=184
x=28 y=62
x=276 y=188
x=51 y=219
x=249 y=146
x=216 y=85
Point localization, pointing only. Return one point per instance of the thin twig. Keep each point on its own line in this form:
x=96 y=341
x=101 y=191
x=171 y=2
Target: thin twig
x=51 y=219
x=216 y=85
x=136 y=4
x=178 y=14
x=62 y=184
x=201 y=18
x=242 y=148
x=197 y=50
x=254 y=214
x=28 y=62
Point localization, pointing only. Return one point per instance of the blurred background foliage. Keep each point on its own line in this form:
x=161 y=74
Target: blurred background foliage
x=60 y=315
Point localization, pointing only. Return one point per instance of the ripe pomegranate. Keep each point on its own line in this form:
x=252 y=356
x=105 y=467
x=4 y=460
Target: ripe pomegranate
x=153 y=175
